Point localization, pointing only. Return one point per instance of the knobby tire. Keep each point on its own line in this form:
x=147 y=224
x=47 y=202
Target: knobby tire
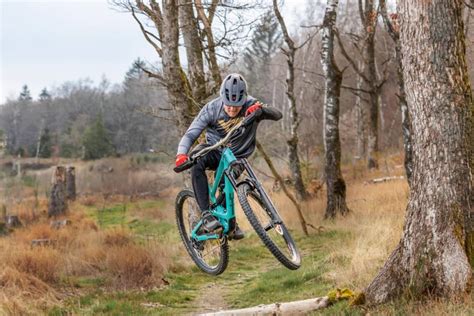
x=244 y=191
x=220 y=267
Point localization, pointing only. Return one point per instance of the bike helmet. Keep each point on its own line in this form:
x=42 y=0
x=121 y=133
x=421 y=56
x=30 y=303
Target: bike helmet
x=234 y=90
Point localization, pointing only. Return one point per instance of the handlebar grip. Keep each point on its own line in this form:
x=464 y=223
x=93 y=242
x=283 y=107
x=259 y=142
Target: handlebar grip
x=248 y=120
x=252 y=117
x=185 y=166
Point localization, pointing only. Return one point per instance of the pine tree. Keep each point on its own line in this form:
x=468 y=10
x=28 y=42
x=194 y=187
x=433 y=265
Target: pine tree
x=266 y=40
x=46 y=144
x=136 y=71
x=25 y=94
x=96 y=141
x=44 y=95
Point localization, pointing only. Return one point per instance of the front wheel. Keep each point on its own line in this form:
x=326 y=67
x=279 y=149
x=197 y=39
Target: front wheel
x=268 y=227
x=211 y=255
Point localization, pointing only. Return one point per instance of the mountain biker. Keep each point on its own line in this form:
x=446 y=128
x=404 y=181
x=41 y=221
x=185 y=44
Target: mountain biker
x=218 y=117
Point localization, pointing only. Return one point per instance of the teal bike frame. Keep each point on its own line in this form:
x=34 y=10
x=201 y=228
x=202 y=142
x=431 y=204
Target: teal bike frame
x=223 y=214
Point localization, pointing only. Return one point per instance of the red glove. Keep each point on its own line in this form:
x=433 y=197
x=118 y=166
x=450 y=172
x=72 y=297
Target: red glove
x=254 y=107
x=180 y=159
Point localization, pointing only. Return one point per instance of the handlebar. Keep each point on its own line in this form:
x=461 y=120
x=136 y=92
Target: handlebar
x=193 y=159
x=184 y=166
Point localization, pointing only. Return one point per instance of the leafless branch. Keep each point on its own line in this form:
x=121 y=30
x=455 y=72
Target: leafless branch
x=154 y=113
x=349 y=59
x=355 y=89
x=155 y=75
x=318 y=26
x=309 y=38
x=146 y=34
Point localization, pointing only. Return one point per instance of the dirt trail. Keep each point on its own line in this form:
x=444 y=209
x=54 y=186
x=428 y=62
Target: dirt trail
x=213 y=294
x=211 y=298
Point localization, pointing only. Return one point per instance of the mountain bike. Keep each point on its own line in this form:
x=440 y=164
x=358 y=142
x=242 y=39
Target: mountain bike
x=210 y=251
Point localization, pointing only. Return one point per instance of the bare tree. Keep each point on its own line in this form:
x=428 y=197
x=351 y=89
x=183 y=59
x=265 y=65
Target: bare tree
x=431 y=257
x=392 y=27
x=292 y=142
x=193 y=45
x=336 y=187
x=368 y=16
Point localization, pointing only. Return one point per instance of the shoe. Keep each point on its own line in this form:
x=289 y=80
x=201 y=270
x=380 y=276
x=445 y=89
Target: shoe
x=210 y=223
x=238 y=233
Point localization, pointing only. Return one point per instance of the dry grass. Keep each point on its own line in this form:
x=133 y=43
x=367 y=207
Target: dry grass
x=31 y=277
x=373 y=227
x=17 y=286
x=133 y=266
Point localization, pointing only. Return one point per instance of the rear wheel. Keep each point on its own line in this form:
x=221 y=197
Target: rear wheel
x=268 y=227
x=212 y=255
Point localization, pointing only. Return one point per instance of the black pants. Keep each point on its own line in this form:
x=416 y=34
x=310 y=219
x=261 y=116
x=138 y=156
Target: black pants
x=199 y=178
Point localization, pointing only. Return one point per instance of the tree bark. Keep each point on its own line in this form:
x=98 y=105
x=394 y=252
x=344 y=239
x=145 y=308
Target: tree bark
x=58 y=200
x=336 y=187
x=360 y=118
x=292 y=142
x=370 y=23
x=193 y=45
x=431 y=258
x=71 y=183
x=177 y=83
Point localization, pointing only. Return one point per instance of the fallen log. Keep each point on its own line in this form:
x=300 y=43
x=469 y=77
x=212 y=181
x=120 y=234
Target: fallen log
x=60 y=223
x=384 y=179
x=287 y=308
x=42 y=242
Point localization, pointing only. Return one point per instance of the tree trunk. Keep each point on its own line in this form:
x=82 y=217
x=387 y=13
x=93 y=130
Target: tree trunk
x=360 y=118
x=292 y=142
x=431 y=256
x=370 y=24
x=38 y=143
x=177 y=84
x=211 y=51
x=336 y=187
x=393 y=30
x=192 y=42
x=58 y=200
x=71 y=183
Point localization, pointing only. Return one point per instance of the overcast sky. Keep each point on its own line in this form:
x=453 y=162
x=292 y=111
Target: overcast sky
x=46 y=43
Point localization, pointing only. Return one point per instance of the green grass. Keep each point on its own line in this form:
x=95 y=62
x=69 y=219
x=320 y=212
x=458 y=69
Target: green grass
x=29 y=181
x=151 y=228
x=253 y=276
x=278 y=284
x=115 y=215
x=149 y=204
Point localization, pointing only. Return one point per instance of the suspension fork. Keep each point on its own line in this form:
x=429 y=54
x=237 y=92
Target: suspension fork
x=261 y=189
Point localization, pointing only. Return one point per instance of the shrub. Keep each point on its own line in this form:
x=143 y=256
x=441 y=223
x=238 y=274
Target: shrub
x=40 y=262
x=131 y=266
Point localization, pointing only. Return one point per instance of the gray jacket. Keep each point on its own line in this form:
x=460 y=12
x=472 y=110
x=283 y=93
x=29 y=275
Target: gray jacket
x=217 y=123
